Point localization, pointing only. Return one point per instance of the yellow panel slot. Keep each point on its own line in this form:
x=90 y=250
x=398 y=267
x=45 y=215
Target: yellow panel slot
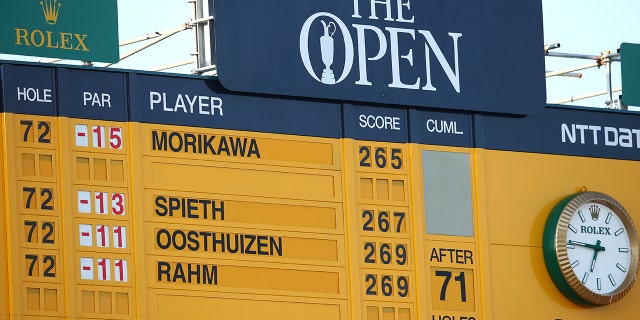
x=28 y=164
x=398 y=190
x=404 y=314
x=388 y=313
x=50 y=299
x=105 y=302
x=33 y=299
x=366 y=188
x=83 y=169
x=372 y=313
x=117 y=170
x=88 y=301
x=122 y=303
x=100 y=169
x=46 y=165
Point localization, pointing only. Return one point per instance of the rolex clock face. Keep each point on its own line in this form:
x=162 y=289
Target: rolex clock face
x=591 y=248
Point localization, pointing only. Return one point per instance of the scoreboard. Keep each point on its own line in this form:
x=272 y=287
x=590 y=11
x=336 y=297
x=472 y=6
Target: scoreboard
x=131 y=195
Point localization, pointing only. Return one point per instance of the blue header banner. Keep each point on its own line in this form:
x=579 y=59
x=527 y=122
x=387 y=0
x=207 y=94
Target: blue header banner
x=565 y=131
x=96 y=95
x=470 y=55
x=376 y=124
x=438 y=128
x=205 y=103
x=29 y=90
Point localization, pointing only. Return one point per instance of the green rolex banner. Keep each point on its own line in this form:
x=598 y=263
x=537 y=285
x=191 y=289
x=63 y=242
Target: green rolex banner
x=85 y=30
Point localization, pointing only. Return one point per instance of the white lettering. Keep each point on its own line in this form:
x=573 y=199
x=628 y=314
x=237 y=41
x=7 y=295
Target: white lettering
x=612 y=136
x=571 y=135
x=100 y=100
x=581 y=128
x=454 y=77
x=179 y=105
x=379 y=122
x=443 y=126
x=400 y=17
x=362 y=53
x=595 y=130
x=386 y=3
x=196 y=104
x=612 y=133
x=34 y=95
x=156 y=97
x=395 y=59
x=625 y=138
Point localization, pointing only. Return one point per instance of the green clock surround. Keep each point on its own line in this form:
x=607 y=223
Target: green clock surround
x=580 y=229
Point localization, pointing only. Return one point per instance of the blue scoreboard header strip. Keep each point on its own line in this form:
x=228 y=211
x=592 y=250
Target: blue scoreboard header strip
x=577 y=132
x=205 y=103
x=377 y=124
x=96 y=95
x=29 y=90
x=439 y=128
x=202 y=102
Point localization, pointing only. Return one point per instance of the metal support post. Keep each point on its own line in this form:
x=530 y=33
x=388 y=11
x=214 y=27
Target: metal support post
x=607 y=64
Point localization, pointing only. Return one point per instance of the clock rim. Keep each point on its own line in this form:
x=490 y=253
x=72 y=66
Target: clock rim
x=556 y=255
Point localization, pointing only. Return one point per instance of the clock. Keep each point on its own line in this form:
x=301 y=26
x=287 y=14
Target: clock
x=590 y=248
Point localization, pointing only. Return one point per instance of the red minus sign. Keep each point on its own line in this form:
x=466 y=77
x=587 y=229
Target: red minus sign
x=86 y=268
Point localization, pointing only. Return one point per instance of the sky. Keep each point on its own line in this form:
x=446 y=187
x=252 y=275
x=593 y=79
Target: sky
x=580 y=26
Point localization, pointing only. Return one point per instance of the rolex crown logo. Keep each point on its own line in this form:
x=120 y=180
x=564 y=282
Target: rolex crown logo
x=595 y=212
x=50 y=8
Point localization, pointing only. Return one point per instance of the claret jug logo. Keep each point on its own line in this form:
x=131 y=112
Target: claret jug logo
x=51 y=9
x=388 y=42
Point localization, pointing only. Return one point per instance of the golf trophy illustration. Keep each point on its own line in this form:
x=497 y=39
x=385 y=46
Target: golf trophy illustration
x=326 y=48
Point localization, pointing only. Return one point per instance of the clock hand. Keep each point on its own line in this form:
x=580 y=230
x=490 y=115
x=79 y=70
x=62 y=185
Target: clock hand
x=597 y=248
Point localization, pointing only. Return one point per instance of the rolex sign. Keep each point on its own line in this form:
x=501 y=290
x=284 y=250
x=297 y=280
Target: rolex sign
x=68 y=29
x=474 y=55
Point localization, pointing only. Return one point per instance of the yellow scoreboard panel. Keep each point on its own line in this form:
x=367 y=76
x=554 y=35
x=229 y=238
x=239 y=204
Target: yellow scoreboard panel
x=141 y=196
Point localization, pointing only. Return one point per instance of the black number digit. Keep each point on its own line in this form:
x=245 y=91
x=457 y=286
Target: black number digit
x=47 y=229
x=386 y=285
x=29 y=124
x=366 y=154
x=383 y=221
x=399 y=220
x=381 y=159
x=52 y=263
x=385 y=253
x=463 y=287
x=370 y=250
x=43 y=138
x=371 y=289
x=32 y=227
x=47 y=195
x=31 y=192
x=447 y=275
x=403 y=286
x=368 y=215
x=33 y=259
x=396 y=159
x=401 y=254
